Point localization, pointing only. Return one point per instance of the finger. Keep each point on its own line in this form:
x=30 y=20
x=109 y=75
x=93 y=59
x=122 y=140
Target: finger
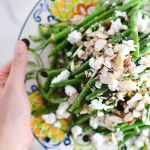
x=6 y=68
x=19 y=64
x=4 y=72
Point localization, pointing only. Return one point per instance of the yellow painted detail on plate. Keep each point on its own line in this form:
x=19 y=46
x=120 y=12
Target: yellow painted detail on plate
x=66 y=9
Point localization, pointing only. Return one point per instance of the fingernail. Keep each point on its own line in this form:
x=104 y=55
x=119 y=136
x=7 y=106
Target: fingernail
x=19 y=48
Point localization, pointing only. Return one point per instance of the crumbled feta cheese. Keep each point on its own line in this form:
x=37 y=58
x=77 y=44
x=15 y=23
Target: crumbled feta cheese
x=145 y=61
x=126 y=1
x=139 y=143
x=135 y=71
x=108 y=78
x=94 y=122
x=125 y=47
x=97 y=140
x=143 y=23
x=113 y=85
x=116 y=26
x=74 y=37
x=97 y=105
x=136 y=114
x=62 y=76
x=77 y=19
x=146 y=98
x=57 y=124
x=88 y=31
x=120 y=14
x=69 y=54
x=127 y=85
x=129 y=117
x=100 y=114
x=120 y=96
x=132 y=102
x=49 y=118
x=100 y=44
x=61 y=111
x=70 y=90
x=76 y=131
x=96 y=63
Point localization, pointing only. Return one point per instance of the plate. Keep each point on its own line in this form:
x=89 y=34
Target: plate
x=51 y=12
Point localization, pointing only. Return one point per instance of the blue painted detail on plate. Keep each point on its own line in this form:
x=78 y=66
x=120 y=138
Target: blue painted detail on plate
x=43 y=7
x=67 y=140
x=47 y=139
x=34 y=88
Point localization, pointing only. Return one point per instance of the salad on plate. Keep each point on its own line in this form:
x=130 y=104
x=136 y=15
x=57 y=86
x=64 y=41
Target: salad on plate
x=97 y=85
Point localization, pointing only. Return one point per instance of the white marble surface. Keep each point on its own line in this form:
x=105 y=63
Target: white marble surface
x=12 y=15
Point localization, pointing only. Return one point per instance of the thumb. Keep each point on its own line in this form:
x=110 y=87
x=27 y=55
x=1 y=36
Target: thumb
x=19 y=64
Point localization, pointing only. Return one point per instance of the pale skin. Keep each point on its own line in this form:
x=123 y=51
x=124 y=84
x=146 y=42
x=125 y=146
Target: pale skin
x=15 y=112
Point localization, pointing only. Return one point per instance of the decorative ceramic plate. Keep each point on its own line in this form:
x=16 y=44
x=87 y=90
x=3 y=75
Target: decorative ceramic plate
x=51 y=12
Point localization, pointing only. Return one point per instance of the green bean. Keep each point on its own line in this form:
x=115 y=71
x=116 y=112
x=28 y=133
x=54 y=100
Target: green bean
x=57 y=100
x=96 y=19
x=126 y=138
x=96 y=13
x=119 y=38
x=51 y=75
x=145 y=13
x=44 y=30
x=131 y=126
x=85 y=118
x=143 y=36
x=37 y=113
x=80 y=75
x=83 y=93
x=61 y=34
x=145 y=50
x=97 y=92
x=36 y=38
x=144 y=43
x=58 y=48
x=82 y=68
x=134 y=29
x=65 y=82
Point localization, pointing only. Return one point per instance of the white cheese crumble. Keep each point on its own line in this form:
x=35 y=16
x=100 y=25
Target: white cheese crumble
x=94 y=122
x=49 y=118
x=126 y=47
x=62 y=76
x=97 y=105
x=143 y=23
x=62 y=111
x=100 y=44
x=120 y=14
x=109 y=52
x=76 y=131
x=74 y=37
x=96 y=63
x=116 y=26
x=70 y=90
x=57 y=124
x=97 y=140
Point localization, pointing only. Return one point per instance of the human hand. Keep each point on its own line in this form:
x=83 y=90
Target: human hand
x=15 y=112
